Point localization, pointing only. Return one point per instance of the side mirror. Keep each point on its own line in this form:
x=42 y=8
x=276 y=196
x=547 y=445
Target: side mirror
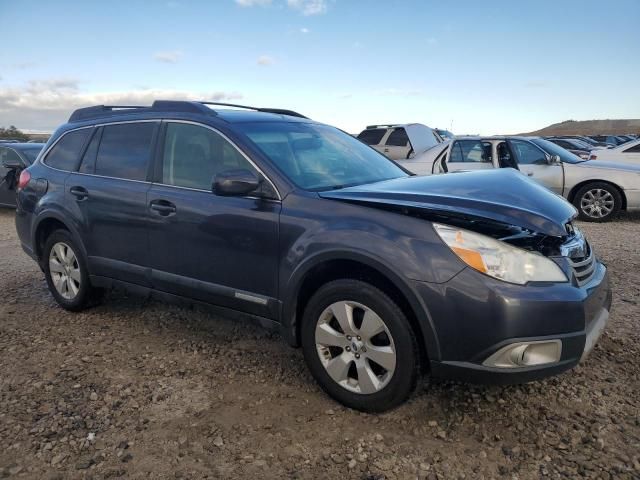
x=12 y=164
x=553 y=159
x=236 y=182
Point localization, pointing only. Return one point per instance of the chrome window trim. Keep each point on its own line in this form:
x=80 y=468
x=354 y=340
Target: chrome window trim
x=201 y=190
x=43 y=155
x=232 y=144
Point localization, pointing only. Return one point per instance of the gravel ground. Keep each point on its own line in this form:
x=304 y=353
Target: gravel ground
x=140 y=389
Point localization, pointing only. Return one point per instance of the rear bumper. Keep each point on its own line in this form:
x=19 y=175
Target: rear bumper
x=483 y=317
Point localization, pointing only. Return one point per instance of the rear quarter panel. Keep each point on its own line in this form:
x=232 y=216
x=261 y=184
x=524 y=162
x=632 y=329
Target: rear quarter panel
x=627 y=179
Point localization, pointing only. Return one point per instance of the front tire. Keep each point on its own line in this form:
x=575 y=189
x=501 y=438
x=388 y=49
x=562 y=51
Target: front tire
x=598 y=202
x=359 y=346
x=66 y=272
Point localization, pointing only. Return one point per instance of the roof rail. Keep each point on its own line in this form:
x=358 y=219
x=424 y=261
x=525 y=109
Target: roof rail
x=383 y=125
x=279 y=111
x=98 y=111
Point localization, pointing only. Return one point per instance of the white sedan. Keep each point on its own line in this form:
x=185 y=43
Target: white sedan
x=626 y=153
x=598 y=189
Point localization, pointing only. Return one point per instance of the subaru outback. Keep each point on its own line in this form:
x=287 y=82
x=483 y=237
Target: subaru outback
x=378 y=275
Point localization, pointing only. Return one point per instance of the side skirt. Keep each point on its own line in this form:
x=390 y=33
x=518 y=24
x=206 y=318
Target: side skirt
x=148 y=292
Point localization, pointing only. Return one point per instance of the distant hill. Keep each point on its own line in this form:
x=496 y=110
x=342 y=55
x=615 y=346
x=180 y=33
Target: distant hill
x=590 y=127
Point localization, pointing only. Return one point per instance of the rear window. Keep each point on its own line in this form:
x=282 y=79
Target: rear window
x=634 y=149
x=468 y=151
x=125 y=150
x=65 y=154
x=398 y=138
x=372 y=136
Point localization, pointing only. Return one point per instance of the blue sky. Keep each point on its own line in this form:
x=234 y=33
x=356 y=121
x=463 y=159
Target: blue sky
x=480 y=67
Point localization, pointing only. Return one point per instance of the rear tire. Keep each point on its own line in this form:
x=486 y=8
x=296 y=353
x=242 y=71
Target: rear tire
x=359 y=346
x=597 y=202
x=66 y=272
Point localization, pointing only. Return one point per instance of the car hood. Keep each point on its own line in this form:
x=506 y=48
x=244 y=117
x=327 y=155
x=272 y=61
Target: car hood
x=609 y=165
x=505 y=196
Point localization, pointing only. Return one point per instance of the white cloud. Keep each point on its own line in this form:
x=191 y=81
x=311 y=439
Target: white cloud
x=308 y=7
x=252 y=3
x=44 y=104
x=265 y=60
x=21 y=65
x=400 y=92
x=304 y=30
x=170 y=56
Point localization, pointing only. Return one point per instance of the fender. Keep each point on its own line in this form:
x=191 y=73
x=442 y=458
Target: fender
x=292 y=289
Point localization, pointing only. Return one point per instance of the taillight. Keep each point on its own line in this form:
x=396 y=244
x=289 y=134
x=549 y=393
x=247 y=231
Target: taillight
x=593 y=157
x=24 y=179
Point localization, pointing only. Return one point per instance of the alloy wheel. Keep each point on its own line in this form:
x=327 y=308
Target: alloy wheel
x=355 y=347
x=65 y=270
x=597 y=203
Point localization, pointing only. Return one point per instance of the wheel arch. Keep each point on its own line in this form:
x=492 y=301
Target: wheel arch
x=328 y=266
x=45 y=225
x=574 y=190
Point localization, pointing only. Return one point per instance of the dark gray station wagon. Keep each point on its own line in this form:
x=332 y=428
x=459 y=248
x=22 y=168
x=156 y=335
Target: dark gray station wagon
x=377 y=274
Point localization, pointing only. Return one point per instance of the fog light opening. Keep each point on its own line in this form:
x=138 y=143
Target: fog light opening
x=526 y=354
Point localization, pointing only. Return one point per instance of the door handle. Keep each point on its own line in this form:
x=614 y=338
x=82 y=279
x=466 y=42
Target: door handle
x=163 y=207
x=80 y=193
x=530 y=174
x=386 y=150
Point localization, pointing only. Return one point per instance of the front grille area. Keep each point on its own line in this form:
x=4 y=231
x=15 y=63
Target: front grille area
x=584 y=267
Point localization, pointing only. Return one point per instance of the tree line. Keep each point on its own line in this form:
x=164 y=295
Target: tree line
x=13 y=133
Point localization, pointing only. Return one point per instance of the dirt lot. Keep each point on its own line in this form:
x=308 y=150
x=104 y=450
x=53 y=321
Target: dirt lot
x=140 y=389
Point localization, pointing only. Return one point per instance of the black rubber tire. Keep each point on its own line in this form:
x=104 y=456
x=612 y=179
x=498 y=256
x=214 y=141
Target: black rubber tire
x=87 y=295
x=615 y=193
x=407 y=367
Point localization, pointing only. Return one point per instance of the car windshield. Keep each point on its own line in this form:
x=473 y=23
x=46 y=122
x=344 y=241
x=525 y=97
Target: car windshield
x=446 y=134
x=318 y=157
x=553 y=149
x=579 y=144
x=31 y=153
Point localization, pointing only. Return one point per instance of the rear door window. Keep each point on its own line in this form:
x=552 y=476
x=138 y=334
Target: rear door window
x=398 y=138
x=125 y=150
x=88 y=163
x=372 y=136
x=65 y=154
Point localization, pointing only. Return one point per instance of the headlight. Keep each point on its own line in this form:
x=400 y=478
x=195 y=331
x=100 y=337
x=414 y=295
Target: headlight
x=499 y=259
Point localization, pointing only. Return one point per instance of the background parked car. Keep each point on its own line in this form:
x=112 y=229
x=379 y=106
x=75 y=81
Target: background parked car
x=598 y=189
x=608 y=139
x=577 y=147
x=626 y=153
x=400 y=141
x=587 y=140
x=445 y=134
x=14 y=157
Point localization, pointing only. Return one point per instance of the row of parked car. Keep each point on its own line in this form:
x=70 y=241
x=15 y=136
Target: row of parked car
x=600 y=179
x=378 y=275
